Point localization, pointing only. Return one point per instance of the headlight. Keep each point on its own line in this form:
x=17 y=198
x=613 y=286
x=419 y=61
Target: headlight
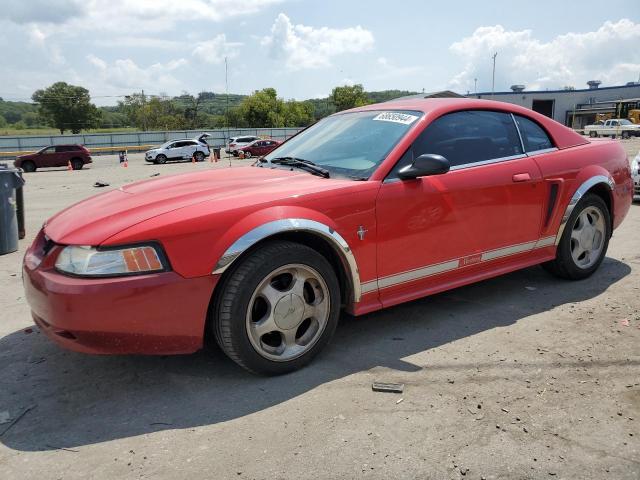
x=91 y=262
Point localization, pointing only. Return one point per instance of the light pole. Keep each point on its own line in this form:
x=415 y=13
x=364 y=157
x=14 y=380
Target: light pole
x=493 y=77
x=475 y=86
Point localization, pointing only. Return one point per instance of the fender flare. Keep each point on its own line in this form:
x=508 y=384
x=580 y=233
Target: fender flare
x=274 y=227
x=579 y=193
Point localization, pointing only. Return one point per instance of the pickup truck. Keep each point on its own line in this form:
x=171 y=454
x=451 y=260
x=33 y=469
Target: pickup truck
x=612 y=128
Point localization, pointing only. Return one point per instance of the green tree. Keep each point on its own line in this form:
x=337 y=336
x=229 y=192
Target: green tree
x=31 y=119
x=3 y=122
x=349 y=97
x=67 y=107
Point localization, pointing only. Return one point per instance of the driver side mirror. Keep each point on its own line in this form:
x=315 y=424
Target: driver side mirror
x=425 y=165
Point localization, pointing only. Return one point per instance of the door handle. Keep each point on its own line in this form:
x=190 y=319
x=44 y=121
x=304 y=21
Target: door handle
x=521 y=177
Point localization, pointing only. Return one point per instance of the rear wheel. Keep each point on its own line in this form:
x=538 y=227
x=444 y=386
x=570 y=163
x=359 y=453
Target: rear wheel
x=584 y=241
x=593 y=134
x=625 y=135
x=277 y=308
x=161 y=159
x=28 y=166
x=199 y=156
x=77 y=164
x=247 y=154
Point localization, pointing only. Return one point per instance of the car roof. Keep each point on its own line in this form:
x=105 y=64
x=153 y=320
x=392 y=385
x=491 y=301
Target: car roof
x=564 y=137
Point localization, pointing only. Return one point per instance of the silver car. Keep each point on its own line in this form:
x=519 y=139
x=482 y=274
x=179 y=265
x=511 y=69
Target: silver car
x=238 y=142
x=183 y=149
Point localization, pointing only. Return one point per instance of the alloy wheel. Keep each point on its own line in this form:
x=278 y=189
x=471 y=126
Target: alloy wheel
x=588 y=237
x=288 y=312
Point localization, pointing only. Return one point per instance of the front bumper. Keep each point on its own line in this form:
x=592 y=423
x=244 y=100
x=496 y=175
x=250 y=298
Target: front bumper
x=161 y=313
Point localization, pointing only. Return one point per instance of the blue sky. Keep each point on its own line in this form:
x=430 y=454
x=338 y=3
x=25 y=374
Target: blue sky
x=304 y=48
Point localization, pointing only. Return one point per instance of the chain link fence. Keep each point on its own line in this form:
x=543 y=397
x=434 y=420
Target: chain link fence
x=105 y=143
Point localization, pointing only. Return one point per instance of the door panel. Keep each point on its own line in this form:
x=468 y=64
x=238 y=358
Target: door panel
x=433 y=226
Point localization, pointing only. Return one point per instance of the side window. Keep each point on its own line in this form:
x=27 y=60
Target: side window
x=533 y=135
x=470 y=137
x=61 y=149
x=466 y=138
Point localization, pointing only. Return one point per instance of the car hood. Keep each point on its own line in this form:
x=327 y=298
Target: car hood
x=94 y=220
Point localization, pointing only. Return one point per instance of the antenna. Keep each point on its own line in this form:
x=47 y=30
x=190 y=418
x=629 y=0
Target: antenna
x=493 y=77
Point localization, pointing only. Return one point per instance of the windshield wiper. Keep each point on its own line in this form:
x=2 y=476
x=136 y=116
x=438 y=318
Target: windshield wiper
x=300 y=163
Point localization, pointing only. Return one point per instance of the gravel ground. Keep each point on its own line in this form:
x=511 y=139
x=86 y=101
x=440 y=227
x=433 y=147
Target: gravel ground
x=523 y=376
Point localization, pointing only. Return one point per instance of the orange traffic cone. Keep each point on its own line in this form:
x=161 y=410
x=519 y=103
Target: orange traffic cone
x=193 y=158
x=69 y=167
x=125 y=164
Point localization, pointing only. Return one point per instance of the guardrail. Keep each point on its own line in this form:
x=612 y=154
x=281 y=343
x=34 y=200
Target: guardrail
x=98 y=143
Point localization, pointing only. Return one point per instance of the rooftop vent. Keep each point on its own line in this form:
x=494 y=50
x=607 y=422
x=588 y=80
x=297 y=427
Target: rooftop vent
x=593 y=84
x=517 y=88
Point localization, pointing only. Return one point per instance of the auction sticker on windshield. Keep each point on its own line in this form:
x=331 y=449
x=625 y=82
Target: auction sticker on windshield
x=396 y=117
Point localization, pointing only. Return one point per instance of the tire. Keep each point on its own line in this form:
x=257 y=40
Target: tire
x=161 y=159
x=593 y=134
x=77 y=164
x=199 y=156
x=625 y=135
x=242 y=313
x=568 y=263
x=247 y=154
x=28 y=166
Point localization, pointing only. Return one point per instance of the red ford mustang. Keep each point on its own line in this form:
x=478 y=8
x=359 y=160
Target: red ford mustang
x=366 y=209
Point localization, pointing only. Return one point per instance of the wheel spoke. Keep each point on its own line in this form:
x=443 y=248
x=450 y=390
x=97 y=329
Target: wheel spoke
x=264 y=326
x=290 y=338
x=271 y=295
x=297 y=284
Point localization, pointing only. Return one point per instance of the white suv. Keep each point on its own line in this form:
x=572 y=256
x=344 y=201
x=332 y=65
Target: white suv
x=184 y=149
x=238 y=142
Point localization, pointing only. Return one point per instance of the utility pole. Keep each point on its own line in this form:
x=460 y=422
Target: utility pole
x=475 y=86
x=493 y=77
x=144 y=113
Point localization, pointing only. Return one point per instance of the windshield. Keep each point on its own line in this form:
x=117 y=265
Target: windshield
x=349 y=144
x=626 y=122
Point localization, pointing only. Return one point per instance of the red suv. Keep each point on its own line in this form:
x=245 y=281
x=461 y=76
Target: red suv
x=259 y=148
x=54 y=156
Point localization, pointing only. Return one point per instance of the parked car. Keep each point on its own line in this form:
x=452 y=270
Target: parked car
x=366 y=209
x=184 y=149
x=635 y=173
x=54 y=156
x=238 y=142
x=613 y=128
x=258 y=148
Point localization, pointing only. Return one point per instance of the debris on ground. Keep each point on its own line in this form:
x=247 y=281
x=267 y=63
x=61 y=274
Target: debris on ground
x=399 y=401
x=624 y=322
x=99 y=184
x=387 y=387
x=531 y=289
x=17 y=419
x=155 y=175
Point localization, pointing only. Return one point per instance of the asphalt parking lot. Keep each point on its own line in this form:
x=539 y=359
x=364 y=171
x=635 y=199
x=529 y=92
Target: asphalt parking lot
x=522 y=376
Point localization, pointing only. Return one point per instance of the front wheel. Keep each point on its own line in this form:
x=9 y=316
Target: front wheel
x=277 y=308
x=247 y=154
x=625 y=135
x=585 y=240
x=161 y=159
x=593 y=134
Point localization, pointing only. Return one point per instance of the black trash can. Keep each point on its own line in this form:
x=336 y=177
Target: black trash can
x=216 y=153
x=10 y=180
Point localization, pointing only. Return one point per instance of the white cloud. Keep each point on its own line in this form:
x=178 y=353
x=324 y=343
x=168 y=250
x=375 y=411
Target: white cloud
x=610 y=54
x=387 y=69
x=301 y=46
x=126 y=74
x=41 y=11
x=110 y=15
x=214 y=50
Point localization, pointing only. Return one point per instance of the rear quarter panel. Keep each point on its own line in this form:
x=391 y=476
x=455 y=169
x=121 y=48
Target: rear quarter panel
x=571 y=167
